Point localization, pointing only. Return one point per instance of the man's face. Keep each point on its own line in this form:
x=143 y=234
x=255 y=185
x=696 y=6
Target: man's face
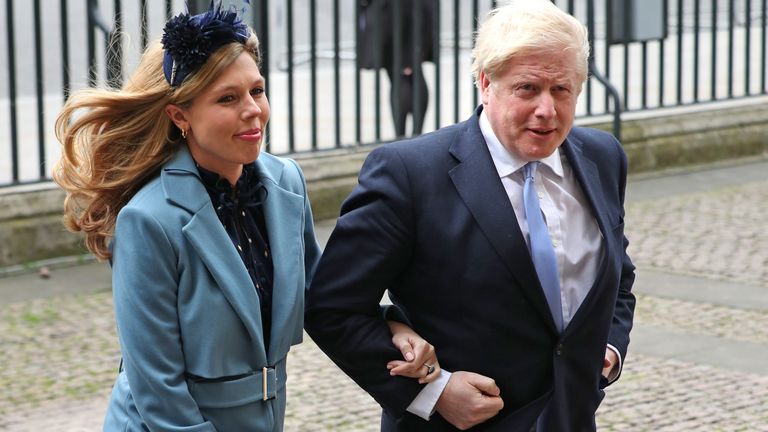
x=532 y=102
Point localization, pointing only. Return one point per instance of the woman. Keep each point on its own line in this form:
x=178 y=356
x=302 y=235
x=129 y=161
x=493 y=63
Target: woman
x=210 y=240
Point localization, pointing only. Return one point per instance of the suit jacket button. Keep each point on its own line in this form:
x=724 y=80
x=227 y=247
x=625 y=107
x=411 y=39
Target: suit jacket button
x=559 y=349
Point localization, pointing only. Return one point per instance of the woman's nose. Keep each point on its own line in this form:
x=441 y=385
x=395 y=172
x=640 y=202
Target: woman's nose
x=252 y=107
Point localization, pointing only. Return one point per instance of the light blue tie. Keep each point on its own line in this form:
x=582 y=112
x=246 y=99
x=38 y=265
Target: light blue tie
x=542 y=252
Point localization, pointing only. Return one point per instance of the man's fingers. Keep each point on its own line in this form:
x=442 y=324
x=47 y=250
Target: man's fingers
x=495 y=403
x=469 y=399
x=485 y=385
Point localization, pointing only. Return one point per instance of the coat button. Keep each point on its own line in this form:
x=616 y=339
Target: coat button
x=559 y=349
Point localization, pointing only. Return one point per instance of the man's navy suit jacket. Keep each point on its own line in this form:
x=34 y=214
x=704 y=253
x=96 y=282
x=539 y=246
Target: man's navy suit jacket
x=431 y=222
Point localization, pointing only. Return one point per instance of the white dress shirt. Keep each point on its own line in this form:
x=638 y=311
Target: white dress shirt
x=576 y=237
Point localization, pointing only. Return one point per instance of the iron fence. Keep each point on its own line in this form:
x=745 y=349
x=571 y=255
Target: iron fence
x=321 y=96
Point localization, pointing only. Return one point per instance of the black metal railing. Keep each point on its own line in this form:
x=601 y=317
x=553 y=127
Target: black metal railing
x=322 y=97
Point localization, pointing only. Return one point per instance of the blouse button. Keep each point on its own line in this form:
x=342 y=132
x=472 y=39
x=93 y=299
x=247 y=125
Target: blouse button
x=239 y=248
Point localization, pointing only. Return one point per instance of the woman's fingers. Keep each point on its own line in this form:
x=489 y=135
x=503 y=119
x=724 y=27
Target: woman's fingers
x=420 y=360
x=431 y=372
x=426 y=372
x=404 y=345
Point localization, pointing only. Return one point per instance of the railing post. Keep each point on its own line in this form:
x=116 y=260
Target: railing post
x=197 y=6
x=12 y=92
x=594 y=71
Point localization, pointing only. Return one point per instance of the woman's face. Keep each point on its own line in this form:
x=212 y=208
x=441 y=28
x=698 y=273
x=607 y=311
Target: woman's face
x=225 y=122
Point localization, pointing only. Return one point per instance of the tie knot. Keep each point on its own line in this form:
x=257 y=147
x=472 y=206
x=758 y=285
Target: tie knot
x=529 y=169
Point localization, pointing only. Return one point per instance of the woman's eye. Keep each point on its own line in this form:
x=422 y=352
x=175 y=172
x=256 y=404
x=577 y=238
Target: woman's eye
x=226 y=99
x=257 y=91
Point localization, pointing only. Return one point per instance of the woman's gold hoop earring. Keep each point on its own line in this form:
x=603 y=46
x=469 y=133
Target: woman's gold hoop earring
x=184 y=133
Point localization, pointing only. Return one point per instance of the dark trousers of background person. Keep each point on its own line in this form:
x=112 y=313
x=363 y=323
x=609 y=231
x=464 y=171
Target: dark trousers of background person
x=384 y=42
x=403 y=100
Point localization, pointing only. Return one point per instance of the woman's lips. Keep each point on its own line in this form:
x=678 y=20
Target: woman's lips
x=251 y=134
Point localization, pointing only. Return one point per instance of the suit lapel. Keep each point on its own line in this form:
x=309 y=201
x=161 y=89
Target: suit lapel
x=283 y=211
x=477 y=182
x=207 y=236
x=589 y=179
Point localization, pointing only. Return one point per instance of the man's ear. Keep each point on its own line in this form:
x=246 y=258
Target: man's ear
x=177 y=116
x=485 y=86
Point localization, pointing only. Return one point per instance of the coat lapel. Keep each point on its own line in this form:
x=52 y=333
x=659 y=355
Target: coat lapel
x=477 y=182
x=283 y=213
x=589 y=180
x=205 y=232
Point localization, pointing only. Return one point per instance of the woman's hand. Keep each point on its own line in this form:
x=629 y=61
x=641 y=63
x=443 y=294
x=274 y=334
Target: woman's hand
x=420 y=358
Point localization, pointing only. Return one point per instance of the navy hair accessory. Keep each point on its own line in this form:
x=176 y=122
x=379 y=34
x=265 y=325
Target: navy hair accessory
x=189 y=40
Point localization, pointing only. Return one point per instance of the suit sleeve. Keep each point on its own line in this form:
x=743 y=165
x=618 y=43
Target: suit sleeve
x=368 y=250
x=145 y=285
x=625 y=301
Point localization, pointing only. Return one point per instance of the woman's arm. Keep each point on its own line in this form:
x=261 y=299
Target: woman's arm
x=145 y=287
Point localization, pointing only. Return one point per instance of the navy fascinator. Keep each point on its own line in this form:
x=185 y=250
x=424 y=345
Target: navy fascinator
x=188 y=41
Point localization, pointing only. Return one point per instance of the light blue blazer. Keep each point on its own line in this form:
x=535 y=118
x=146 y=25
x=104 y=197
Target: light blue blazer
x=186 y=308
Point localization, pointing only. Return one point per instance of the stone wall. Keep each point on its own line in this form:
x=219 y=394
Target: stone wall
x=30 y=215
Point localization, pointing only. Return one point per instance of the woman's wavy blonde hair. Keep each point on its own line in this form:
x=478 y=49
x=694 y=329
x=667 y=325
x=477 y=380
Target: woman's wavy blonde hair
x=115 y=141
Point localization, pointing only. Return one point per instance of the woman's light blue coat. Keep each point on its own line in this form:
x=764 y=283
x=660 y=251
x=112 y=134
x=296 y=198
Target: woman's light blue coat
x=185 y=305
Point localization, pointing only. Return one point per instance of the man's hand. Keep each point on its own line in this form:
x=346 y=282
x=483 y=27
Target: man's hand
x=610 y=360
x=469 y=399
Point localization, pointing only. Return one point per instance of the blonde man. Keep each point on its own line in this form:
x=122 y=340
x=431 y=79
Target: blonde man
x=501 y=239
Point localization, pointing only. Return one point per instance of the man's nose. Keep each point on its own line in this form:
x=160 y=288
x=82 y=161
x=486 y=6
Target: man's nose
x=545 y=108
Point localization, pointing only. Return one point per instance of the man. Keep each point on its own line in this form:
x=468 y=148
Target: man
x=445 y=223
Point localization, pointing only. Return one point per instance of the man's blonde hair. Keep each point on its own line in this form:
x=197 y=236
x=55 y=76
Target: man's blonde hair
x=525 y=27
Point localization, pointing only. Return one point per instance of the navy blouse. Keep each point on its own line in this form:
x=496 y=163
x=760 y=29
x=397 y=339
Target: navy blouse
x=240 y=210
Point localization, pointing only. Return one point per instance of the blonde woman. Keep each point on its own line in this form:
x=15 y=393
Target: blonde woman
x=210 y=239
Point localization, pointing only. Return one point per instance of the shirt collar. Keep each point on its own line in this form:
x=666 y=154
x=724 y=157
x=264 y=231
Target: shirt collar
x=506 y=162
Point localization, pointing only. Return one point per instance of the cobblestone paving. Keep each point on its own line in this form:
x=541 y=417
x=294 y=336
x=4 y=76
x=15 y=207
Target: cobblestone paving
x=719 y=234
x=56 y=348
x=58 y=356
x=702 y=318
x=665 y=395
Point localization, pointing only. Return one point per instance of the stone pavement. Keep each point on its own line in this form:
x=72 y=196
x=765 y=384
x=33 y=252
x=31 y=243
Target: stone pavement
x=699 y=351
